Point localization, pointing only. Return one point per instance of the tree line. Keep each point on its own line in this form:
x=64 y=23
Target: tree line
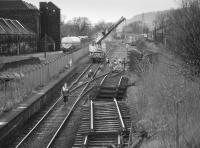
x=180 y=31
x=82 y=26
x=137 y=27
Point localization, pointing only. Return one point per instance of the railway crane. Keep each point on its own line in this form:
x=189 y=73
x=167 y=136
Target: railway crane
x=97 y=49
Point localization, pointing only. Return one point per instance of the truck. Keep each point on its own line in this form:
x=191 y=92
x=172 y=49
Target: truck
x=97 y=49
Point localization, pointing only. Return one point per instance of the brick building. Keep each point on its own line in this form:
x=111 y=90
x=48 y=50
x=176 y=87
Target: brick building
x=45 y=21
x=50 y=22
x=22 y=11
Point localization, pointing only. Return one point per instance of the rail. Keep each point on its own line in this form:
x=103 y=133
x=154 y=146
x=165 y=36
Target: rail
x=103 y=80
x=85 y=141
x=91 y=116
x=64 y=121
x=119 y=114
x=107 y=120
x=120 y=82
x=51 y=108
x=85 y=70
x=71 y=110
x=27 y=135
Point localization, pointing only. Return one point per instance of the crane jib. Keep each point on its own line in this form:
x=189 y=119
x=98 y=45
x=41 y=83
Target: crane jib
x=105 y=34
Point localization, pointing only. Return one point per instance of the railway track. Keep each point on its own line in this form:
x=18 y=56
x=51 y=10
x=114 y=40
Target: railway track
x=63 y=138
x=112 y=86
x=42 y=132
x=46 y=124
x=105 y=120
x=58 y=126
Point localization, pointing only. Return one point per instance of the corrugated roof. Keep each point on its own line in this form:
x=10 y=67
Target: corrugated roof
x=15 y=30
x=13 y=27
x=2 y=31
x=16 y=4
x=5 y=26
x=21 y=27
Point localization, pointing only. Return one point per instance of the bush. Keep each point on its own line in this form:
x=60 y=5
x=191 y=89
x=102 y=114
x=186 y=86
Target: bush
x=161 y=89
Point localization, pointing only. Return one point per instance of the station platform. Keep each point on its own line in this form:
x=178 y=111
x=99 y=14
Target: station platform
x=9 y=62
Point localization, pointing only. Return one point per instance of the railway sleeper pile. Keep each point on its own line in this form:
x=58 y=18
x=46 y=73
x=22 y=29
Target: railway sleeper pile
x=106 y=119
x=110 y=90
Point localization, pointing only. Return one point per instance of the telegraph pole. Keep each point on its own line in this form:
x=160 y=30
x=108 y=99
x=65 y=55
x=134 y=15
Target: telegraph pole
x=45 y=45
x=143 y=23
x=177 y=122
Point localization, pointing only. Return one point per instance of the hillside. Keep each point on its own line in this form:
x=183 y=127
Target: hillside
x=148 y=18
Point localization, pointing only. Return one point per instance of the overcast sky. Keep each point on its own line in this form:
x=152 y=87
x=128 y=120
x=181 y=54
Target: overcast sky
x=108 y=10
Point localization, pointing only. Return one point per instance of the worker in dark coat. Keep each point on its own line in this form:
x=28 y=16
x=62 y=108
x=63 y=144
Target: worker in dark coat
x=65 y=92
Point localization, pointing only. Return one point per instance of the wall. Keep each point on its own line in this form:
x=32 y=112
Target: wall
x=18 y=116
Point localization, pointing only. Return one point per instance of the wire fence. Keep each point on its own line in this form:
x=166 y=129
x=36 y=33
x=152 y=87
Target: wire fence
x=20 y=84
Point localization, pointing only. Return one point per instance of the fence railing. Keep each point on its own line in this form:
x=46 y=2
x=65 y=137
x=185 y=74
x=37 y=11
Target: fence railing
x=18 y=85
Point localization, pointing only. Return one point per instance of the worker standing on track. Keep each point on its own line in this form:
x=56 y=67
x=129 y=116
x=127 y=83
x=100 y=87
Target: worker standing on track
x=65 y=92
x=90 y=73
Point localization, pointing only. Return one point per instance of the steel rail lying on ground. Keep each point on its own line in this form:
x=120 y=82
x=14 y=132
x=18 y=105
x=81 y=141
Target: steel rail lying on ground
x=103 y=80
x=107 y=117
x=91 y=116
x=119 y=114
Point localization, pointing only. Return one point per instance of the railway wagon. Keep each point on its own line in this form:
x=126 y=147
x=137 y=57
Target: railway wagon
x=69 y=44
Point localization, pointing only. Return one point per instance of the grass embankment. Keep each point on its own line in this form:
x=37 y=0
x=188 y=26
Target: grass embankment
x=166 y=100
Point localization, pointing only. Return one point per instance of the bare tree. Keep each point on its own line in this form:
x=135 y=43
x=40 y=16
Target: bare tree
x=137 y=27
x=81 y=26
x=78 y=26
x=182 y=30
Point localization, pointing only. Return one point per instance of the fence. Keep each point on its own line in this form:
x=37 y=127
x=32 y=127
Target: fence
x=14 y=88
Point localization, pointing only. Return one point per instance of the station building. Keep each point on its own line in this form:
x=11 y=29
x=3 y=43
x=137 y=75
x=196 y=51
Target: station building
x=15 y=38
x=43 y=22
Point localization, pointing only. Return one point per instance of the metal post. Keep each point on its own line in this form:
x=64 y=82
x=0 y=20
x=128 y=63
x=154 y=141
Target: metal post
x=48 y=72
x=45 y=46
x=18 y=44
x=119 y=141
x=130 y=136
x=5 y=89
x=177 y=125
x=177 y=122
x=91 y=116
